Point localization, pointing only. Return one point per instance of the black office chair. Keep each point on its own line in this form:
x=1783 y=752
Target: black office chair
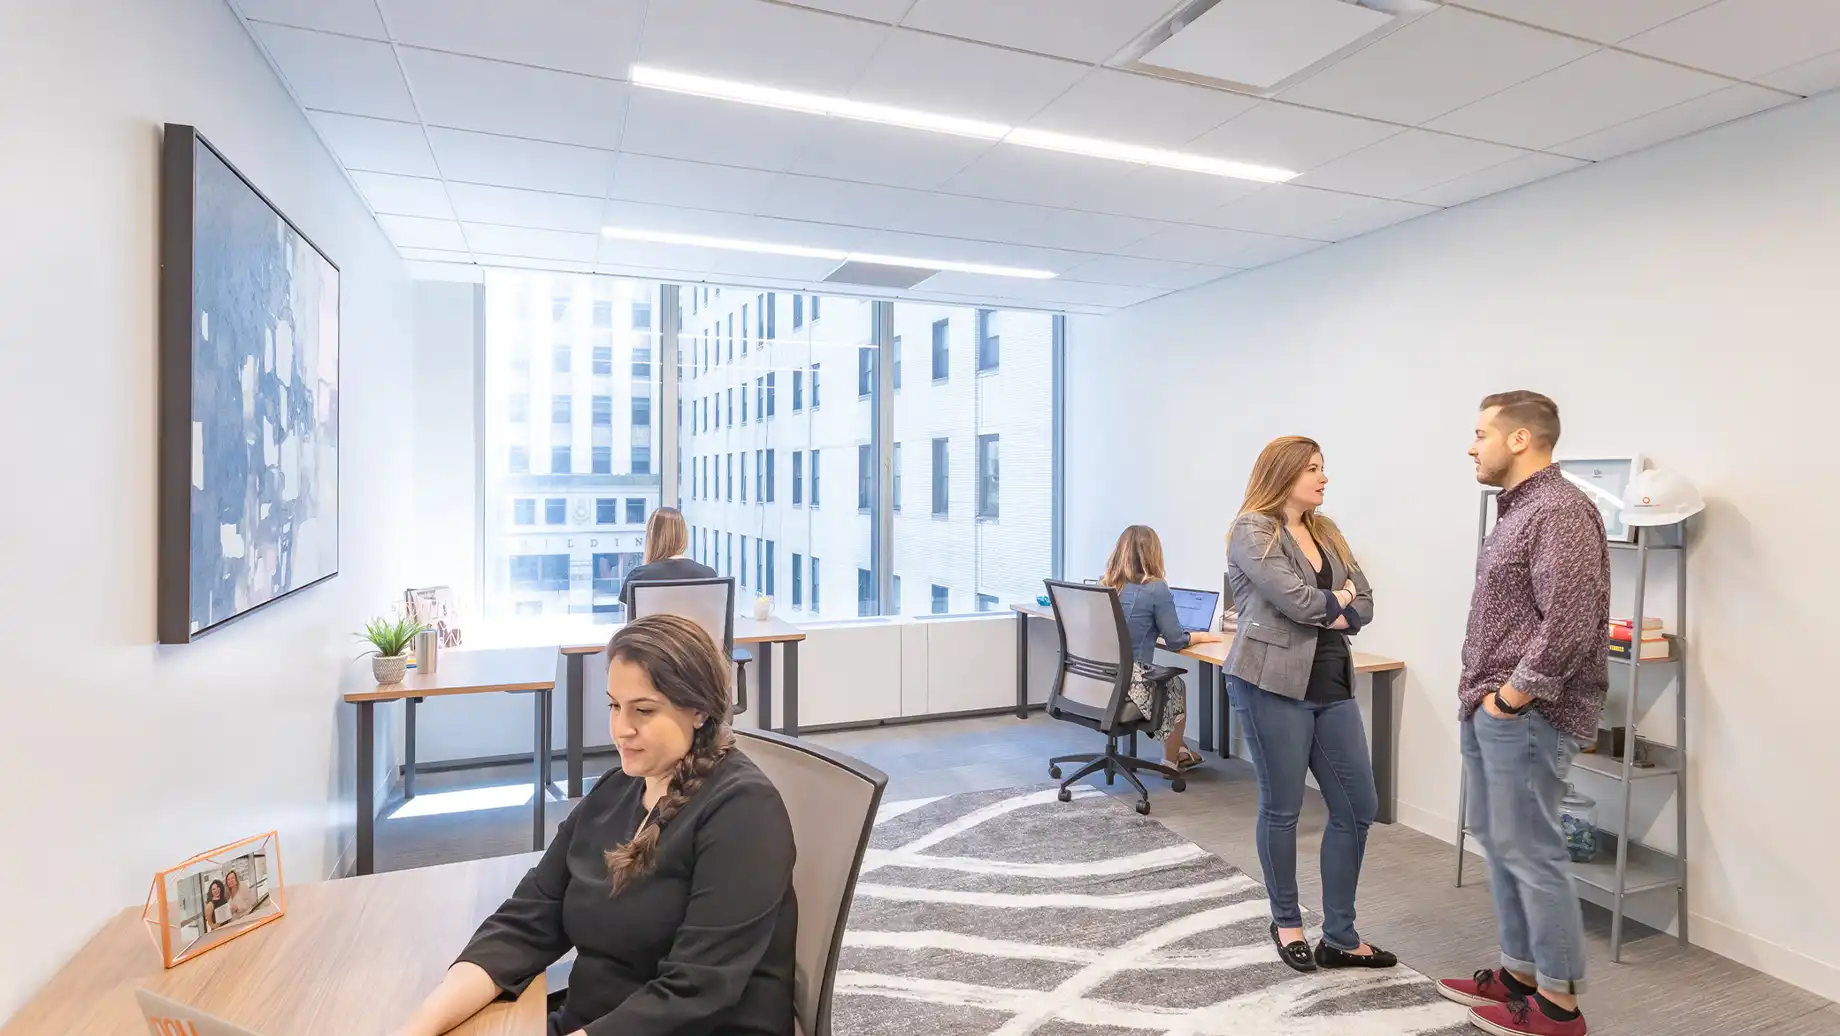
x=1092 y=687
x=710 y=603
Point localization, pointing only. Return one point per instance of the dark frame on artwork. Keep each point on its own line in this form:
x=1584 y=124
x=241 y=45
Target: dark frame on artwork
x=178 y=212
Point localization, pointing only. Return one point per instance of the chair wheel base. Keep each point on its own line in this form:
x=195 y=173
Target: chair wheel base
x=1178 y=785
x=1143 y=808
x=1066 y=796
x=1054 y=772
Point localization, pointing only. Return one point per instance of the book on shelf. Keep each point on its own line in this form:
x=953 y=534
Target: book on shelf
x=1653 y=648
x=1651 y=626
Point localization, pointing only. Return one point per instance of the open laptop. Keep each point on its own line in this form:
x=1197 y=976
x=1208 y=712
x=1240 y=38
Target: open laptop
x=172 y=1018
x=1195 y=608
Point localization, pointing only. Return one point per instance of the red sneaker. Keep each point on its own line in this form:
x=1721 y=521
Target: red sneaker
x=1483 y=988
x=1522 y=1018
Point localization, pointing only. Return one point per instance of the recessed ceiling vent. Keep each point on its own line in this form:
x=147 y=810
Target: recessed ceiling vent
x=1263 y=46
x=878 y=275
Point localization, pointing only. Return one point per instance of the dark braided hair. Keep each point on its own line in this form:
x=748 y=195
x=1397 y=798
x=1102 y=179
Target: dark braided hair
x=684 y=665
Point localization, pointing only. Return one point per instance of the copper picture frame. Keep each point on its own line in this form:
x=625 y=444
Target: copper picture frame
x=214 y=897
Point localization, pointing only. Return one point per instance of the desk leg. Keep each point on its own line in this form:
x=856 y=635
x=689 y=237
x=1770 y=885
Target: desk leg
x=1385 y=773
x=540 y=776
x=790 y=710
x=409 y=705
x=576 y=677
x=764 y=657
x=1206 y=734
x=367 y=787
x=1022 y=665
x=1223 y=705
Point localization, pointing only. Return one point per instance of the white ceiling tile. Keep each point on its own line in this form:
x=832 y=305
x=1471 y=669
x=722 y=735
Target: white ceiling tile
x=1085 y=30
x=1592 y=19
x=1034 y=176
x=699 y=129
x=598 y=38
x=1296 y=211
x=1148 y=192
x=1052 y=293
x=670 y=181
x=468 y=93
x=843 y=149
x=1086 y=231
x=487 y=239
x=646 y=255
x=889 y=11
x=1403 y=165
x=1262 y=43
x=1139 y=109
x=434 y=255
x=1440 y=62
x=404 y=195
x=1290 y=137
x=1128 y=270
x=375 y=144
x=347 y=17
x=892 y=208
x=925 y=246
x=1216 y=247
x=527 y=262
x=1814 y=76
x=639 y=216
x=1746 y=38
x=749 y=41
x=416 y=232
x=1193 y=276
x=748 y=266
x=953 y=77
x=1733 y=102
x=1593 y=93
x=814 y=235
x=509 y=207
x=1497 y=178
x=460 y=272
x=529 y=164
x=338 y=73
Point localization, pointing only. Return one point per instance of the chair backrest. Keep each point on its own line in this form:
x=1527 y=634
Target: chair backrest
x=831 y=800
x=710 y=603
x=1094 y=677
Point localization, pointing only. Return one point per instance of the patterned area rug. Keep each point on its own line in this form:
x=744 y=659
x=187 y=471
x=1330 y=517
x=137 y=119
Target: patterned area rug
x=1008 y=912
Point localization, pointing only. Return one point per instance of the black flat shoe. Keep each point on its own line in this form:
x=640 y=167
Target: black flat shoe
x=1296 y=954
x=1328 y=956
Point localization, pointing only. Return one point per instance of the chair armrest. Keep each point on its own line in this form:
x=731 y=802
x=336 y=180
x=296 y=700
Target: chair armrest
x=1161 y=673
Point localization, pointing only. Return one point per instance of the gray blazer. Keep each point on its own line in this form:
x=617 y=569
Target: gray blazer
x=1280 y=608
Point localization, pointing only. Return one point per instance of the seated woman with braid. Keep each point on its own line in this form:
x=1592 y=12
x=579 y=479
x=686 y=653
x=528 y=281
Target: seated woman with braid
x=672 y=878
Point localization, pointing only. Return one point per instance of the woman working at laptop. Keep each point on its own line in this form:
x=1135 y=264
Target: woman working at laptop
x=1135 y=570
x=1300 y=593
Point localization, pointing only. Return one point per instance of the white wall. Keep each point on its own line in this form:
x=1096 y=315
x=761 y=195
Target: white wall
x=118 y=757
x=445 y=437
x=1677 y=302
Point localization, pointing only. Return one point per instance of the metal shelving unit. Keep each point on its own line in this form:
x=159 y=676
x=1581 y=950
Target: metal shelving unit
x=1632 y=867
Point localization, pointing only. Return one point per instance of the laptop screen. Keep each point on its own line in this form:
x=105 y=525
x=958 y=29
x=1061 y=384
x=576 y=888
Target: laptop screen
x=1195 y=608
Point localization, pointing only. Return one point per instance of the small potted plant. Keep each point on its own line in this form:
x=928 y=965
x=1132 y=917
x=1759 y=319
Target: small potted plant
x=389 y=640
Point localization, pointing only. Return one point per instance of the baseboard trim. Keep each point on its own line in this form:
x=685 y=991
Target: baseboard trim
x=902 y=721
x=1792 y=966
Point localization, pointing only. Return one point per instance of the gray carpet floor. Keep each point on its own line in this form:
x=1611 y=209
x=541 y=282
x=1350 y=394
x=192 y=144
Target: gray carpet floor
x=1408 y=903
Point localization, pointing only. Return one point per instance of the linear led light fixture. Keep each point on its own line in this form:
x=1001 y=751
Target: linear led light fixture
x=842 y=108
x=731 y=244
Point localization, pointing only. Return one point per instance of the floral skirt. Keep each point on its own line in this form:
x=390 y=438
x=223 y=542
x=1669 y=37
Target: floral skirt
x=1175 y=699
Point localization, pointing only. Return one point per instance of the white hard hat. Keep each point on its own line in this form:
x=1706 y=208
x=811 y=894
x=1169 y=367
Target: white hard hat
x=1660 y=496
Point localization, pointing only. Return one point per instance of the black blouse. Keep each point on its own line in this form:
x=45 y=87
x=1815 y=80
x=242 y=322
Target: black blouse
x=1329 y=669
x=703 y=945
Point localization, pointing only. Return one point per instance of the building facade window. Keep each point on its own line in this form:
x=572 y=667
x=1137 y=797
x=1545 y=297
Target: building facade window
x=865 y=372
x=942 y=599
x=942 y=483
x=517 y=460
x=895 y=463
x=603 y=360
x=772 y=583
x=556 y=511
x=987 y=480
x=770 y=404
x=601 y=408
x=988 y=345
x=814 y=386
x=642 y=315
x=606 y=511
x=641 y=411
x=942 y=349
x=798 y=391
x=798 y=312
x=635 y=511
x=865 y=592
x=814 y=478
x=561 y=409
x=986 y=602
x=563 y=358
x=865 y=469
x=524 y=512
x=561 y=460
x=768 y=493
x=894 y=360
x=602 y=458
x=816 y=603
x=798 y=478
x=798 y=581
x=517 y=408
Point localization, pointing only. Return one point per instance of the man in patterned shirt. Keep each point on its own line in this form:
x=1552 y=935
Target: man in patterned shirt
x=1534 y=678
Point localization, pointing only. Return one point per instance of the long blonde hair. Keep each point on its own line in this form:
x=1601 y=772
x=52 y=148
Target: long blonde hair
x=1136 y=558
x=666 y=535
x=1281 y=463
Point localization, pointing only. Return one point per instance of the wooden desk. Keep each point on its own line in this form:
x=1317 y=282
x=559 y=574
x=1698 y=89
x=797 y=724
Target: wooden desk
x=351 y=956
x=1215 y=713
x=577 y=639
x=474 y=671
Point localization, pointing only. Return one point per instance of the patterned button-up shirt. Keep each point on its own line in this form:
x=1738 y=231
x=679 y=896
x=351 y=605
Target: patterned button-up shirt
x=1539 y=616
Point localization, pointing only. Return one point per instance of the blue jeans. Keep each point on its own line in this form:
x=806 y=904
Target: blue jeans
x=1516 y=772
x=1287 y=737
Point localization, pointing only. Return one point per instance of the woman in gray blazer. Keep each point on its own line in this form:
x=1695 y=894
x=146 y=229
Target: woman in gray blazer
x=1300 y=594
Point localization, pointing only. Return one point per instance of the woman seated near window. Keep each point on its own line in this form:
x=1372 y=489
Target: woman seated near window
x=667 y=554
x=672 y=879
x=1135 y=570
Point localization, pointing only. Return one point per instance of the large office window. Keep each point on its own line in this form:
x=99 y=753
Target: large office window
x=987 y=476
x=942 y=478
x=537 y=561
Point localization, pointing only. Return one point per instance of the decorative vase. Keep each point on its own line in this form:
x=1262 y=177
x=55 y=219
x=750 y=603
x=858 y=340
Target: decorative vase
x=763 y=608
x=1578 y=817
x=389 y=668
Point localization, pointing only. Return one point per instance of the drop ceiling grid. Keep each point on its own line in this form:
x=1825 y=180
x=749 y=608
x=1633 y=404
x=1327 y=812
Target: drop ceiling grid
x=360 y=116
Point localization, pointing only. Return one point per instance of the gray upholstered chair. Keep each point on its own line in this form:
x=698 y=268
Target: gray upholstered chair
x=710 y=603
x=831 y=800
x=1092 y=687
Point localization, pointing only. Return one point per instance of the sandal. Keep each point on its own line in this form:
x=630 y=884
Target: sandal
x=1188 y=760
